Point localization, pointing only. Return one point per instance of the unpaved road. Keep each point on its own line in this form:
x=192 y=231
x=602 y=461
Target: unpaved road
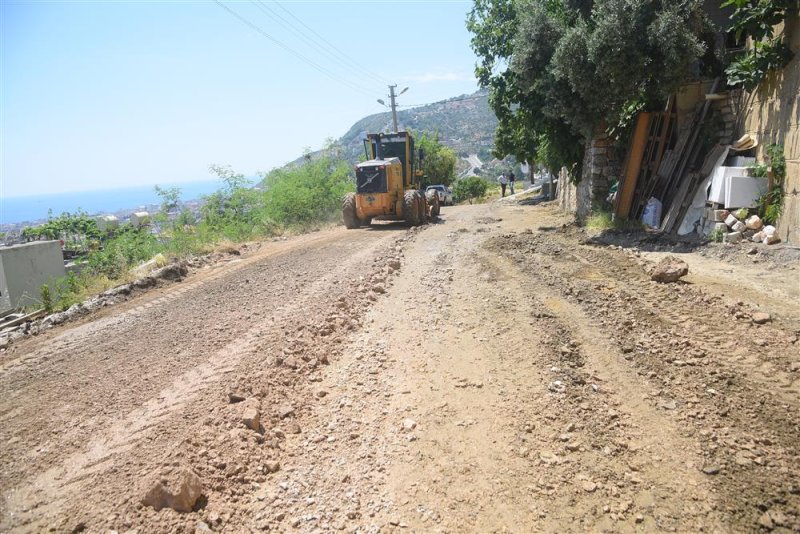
x=492 y=372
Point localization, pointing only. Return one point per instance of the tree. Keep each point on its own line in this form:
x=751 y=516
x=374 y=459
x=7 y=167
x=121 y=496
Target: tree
x=572 y=65
x=170 y=198
x=439 y=162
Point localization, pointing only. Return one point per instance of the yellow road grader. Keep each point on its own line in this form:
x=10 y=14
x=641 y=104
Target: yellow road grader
x=387 y=184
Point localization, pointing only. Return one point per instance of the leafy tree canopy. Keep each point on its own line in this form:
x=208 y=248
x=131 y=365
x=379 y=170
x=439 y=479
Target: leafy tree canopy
x=439 y=162
x=558 y=68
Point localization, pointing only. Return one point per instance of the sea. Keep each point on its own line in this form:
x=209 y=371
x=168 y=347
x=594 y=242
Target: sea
x=32 y=208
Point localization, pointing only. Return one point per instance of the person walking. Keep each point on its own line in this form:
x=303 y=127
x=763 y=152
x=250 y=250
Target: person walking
x=511 y=180
x=503 y=182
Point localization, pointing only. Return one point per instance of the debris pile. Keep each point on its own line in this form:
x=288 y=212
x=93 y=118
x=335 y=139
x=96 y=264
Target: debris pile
x=739 y=225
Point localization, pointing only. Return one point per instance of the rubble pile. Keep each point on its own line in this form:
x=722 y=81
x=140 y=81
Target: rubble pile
x=739 y=225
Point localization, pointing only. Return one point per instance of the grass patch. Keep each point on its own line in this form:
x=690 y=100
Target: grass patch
x=603 y=220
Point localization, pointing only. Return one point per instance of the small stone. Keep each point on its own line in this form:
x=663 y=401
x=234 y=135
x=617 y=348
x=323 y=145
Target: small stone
x=761 y=317
x=322 y=393
x=766 y=521
x=588 y=486
x=667 y=404
x=202 y=528
x=272 y=467
x=285 y=410
x=293 y=428
x=752 y=250
x=711 y=470
x=733 y=237
x=251 y=417
x=409 y=424
x=639 y=518
x=236 y=397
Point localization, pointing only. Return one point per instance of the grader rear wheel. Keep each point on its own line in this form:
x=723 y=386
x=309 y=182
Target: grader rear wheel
x=411 y=212
x=349 y=211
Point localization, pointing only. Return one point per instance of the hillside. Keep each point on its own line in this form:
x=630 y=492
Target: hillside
x=465 y=123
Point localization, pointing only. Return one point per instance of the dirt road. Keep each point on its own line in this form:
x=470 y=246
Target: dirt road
x=492 y=372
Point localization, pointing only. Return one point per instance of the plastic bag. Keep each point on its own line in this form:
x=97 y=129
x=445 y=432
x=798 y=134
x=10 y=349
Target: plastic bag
x=652 y=213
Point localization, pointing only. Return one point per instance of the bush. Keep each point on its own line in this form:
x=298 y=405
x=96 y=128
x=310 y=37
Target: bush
x=470 y=188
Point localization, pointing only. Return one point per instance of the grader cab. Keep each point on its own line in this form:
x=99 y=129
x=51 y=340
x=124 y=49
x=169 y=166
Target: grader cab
x=387 y=184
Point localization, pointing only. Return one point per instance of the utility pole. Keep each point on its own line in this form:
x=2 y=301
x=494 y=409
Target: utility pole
x=394 y=106
x=393 y=102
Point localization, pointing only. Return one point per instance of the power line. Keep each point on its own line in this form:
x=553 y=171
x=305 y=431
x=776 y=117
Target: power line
x=298 y=55
x=319 y=42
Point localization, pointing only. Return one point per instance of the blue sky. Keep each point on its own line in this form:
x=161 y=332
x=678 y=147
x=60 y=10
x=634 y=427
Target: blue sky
x=101 y=95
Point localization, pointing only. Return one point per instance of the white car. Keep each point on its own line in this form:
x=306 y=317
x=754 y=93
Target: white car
x=445 y=195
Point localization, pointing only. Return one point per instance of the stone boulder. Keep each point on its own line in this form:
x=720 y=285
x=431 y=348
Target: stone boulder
x=670 y=269
x=179 y=490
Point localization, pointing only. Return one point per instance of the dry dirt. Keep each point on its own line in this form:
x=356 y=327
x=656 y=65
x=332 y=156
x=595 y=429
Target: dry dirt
x=493 y=372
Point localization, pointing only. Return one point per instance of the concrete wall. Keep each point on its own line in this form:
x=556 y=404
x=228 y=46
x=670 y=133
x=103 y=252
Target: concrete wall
x=25 y=268
x=772 y=114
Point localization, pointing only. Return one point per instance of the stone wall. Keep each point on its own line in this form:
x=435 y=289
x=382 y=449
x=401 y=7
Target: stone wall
x=772 y=115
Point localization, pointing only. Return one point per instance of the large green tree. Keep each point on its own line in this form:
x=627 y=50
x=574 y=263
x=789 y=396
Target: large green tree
x=439 y=162
x=556 y=69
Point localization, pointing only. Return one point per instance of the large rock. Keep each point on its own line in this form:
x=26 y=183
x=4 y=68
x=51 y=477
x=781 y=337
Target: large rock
x=178 y=490
x=173 y=271
x=669 y=269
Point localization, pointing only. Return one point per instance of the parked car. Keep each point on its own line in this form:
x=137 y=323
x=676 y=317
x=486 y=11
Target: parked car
x=445 y=195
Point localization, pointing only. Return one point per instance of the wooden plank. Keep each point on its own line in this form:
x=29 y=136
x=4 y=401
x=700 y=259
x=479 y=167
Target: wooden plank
x=633 y=165
x=677 y=203
x=24 y=319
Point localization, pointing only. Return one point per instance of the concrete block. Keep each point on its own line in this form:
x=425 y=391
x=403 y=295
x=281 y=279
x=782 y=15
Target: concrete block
x=739 y=226
x=721 y=215
x=730 y=220
x=721 y=227
x=733 y=237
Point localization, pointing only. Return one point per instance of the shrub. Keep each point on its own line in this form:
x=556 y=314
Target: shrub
x=470 y=188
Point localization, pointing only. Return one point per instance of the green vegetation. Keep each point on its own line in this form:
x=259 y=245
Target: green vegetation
x=603 y=220
x=439 y=163
x=297 y=198
x=770 y=204
x=78 y=231
x=716 y=236
x=558 y=69
x=757 y=19
x=469 y=189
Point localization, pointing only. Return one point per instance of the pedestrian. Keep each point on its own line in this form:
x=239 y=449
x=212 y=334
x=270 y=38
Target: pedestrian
x=511 y=180
x=503 y=182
